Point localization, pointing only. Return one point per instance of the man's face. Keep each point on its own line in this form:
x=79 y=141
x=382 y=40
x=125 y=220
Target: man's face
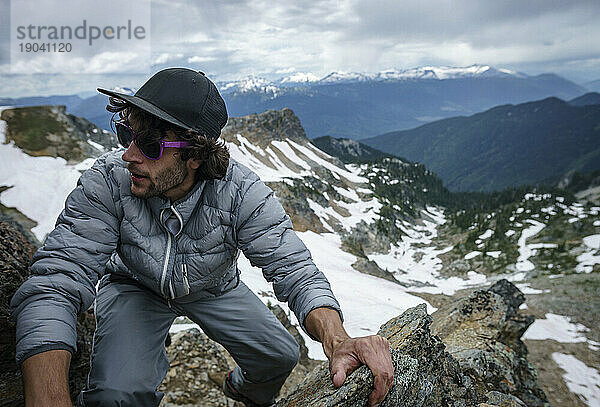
x=168 y=176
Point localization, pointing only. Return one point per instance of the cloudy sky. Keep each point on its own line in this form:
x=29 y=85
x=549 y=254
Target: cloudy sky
x=236 y=38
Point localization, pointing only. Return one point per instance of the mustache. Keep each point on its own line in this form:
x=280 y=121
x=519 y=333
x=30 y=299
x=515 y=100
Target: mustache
x=134 y=170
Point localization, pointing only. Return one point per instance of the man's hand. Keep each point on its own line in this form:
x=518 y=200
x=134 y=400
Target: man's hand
x=346 y=354
x=373 y=351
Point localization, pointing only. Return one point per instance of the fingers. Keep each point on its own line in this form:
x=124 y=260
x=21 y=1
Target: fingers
x=382 y=385
x=378 y=358
x=339 y=378
x=343 y=362
x=373 y=351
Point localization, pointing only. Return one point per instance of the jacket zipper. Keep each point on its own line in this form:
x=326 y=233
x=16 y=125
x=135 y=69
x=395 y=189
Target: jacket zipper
x=164 y=272
x=171 y=289
x=185 y=278
x=167 y=255
x=174 y=211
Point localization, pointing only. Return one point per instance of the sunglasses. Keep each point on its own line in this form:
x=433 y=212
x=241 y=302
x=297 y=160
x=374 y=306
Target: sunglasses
x=152 y=150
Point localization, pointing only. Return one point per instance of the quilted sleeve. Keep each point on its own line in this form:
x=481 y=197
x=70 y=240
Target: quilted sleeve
x=266 y=237
x=65 y=270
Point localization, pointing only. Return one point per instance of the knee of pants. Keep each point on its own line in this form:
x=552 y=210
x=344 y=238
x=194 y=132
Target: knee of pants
x=116 y=397
x=289 y=354
x=278 y=362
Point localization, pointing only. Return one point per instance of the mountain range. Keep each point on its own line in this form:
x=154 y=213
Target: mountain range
x=357 y=106
x=505 y=146
x=360 y=105
x=593 y=85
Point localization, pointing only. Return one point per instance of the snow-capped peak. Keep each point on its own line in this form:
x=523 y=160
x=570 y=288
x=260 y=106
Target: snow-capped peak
x=444 y=72
x=299 y=77
x=249 y=83
x=260 y=84
x=342 y=76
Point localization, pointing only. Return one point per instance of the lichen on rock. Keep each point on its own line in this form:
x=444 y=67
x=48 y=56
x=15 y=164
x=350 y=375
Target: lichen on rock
x=466 y=354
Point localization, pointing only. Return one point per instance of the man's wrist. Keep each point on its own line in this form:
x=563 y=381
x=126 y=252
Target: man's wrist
x=46 y=379
x=325 y=325
x=332 y=342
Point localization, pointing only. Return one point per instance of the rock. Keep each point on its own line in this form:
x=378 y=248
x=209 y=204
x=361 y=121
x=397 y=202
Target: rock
x=50 y=131
x=198 y=369
x=15 y=255
x=263 y=128
x=482 y=332
x=364 y=239
x=367 y=266
x=459 y=359
x=425 y=374
x=293 y=199
x=503 y=400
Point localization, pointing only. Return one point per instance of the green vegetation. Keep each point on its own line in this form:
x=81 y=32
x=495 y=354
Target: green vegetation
x=30 y=127
x=506 y=146
x=580 y=181
x=349 y=151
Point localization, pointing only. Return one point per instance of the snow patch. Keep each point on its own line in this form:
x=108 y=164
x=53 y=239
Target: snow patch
x=556 y=327
x=471 y=255
x=591 y=257
x=34 y=180
x=579 y=378
x=525 y=251
x=487 y=234
x=592 y=241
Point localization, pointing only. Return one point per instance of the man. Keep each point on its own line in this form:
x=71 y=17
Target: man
x=158 y=229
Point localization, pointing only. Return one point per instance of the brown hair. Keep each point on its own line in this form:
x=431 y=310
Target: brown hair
x=212 y=153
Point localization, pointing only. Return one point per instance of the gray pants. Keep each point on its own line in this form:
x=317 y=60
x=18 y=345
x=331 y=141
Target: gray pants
x=129 y=359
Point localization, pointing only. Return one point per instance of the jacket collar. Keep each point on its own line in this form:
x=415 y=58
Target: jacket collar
x=184 y=206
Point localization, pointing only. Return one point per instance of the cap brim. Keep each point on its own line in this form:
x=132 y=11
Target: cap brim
x=146 y=106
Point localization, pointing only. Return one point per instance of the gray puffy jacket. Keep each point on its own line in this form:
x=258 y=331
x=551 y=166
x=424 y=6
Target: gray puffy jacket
x=104 y=228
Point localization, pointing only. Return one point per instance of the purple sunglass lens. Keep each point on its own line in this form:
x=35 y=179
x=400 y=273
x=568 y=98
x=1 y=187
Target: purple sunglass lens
x=152 y=150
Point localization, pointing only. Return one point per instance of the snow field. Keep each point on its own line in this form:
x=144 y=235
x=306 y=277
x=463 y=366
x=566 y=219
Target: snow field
x=36 y=180
x=580 y=378
x=423 y=274
x=558 y=328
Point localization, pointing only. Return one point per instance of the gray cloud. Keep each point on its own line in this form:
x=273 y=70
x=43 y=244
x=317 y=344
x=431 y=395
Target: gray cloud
x=245 y=37
x=234 y=38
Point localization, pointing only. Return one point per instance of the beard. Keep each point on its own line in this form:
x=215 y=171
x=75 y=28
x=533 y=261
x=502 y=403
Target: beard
x=163 y=181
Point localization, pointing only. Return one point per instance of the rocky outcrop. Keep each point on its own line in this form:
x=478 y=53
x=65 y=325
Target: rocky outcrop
x=15 y=255
x=263 y=128
x=364 y=265
x=425 y=375
x=364 y=239
x=50 y=131
x=466 y=354
x=15 y=252
x=482 y=332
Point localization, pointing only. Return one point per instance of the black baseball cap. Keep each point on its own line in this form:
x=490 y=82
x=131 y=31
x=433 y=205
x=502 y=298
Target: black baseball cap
x=183 y=97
